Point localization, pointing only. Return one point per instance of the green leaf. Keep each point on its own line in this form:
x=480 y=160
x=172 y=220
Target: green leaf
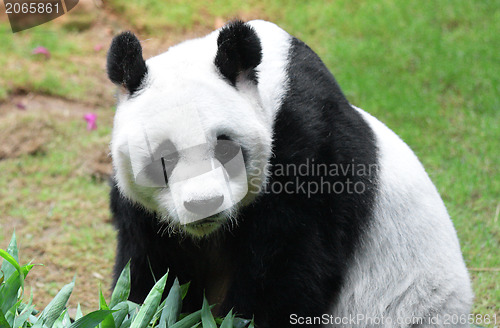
x=63 y=320
x=7 y=268
x=251 y=325
x=159 y=311
x=207 y=319
x=126 y=323
x=173 y=305
x=25 y=313
x=228 y=320
x=240 y=323
x=79 y=313
x=108 y=322
x=133 y=308
x=57 y=305
x=10 y=317
x=184 y=289
x=13 y=263
x=9 y=292
x=21 y=319
x=121 y=291
x=188 y=321
x=150 y=305
x=3 y=321
x=10 y=259
x=121 y=311
x=102 y=301
x=91 y=320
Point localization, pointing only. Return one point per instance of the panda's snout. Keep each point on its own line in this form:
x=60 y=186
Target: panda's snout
x=204 y=206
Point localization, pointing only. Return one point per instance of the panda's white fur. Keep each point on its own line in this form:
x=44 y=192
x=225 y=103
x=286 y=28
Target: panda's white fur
x=426 y=277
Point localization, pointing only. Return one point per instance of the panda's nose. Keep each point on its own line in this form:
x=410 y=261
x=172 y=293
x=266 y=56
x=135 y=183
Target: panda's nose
x=204 y=206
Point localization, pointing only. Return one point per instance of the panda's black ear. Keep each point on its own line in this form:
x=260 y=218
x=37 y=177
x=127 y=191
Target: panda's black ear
x=125 y=65
x=239 y=52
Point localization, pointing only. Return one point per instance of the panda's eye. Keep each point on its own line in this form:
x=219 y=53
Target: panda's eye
x=164 y=168
x=223 y=137
x=225 y=149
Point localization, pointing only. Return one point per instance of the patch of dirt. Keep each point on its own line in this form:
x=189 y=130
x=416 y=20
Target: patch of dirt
x=49 y=106
x=98 y=165
x=24 y=135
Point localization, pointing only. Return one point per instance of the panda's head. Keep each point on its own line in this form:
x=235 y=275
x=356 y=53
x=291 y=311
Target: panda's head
x=191 y=141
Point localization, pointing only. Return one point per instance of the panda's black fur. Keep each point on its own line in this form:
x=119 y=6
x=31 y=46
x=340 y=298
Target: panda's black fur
x=238 y=51
x=125 y=64
x=284 y=256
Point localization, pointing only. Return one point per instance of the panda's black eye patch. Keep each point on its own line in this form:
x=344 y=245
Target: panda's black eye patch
x=225 y=149
x=223 y=137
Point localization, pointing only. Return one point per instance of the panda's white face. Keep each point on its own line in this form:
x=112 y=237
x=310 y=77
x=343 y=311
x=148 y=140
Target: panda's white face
x=188 y=145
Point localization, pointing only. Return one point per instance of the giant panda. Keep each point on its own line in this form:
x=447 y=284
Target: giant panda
x=233 y=156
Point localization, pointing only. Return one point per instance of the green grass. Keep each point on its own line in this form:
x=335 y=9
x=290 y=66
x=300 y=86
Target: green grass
x=429 y=70
x=23 y=71
x=179 y=15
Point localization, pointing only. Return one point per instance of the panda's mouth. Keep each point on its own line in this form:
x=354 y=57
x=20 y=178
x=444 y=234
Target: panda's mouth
x=207 y=221
x=205 y=226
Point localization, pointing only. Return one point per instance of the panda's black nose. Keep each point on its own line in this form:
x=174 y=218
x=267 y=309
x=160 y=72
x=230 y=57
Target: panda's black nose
x=204 y=206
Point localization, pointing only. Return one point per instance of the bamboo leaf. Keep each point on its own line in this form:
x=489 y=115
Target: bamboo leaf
x=228 y=320
x=184 y=289
x=150 y=305
x=62 y=321
x=240 y=323
x=9 y=291
x=126 y=323
x=25 y=313
x=121 y=311
x=173 y=305
x=57 y=305
x=207 y=319
x=7 y=267
x=121 y=291
x=91 y=320
x=108 y=322
x=21 y=319
x=79 y=313
x=188 y=321
x=13 y=263
x=3 y=321
x=133 y=308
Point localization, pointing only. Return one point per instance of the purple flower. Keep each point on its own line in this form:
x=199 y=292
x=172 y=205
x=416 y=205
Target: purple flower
x=41 y=50
x=91 y=119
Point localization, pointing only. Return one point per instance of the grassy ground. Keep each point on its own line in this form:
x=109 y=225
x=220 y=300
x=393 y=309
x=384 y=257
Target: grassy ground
x=429 y=70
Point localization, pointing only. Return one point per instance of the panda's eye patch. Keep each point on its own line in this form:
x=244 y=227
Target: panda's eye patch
x=223 y=137
x=225 y=149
